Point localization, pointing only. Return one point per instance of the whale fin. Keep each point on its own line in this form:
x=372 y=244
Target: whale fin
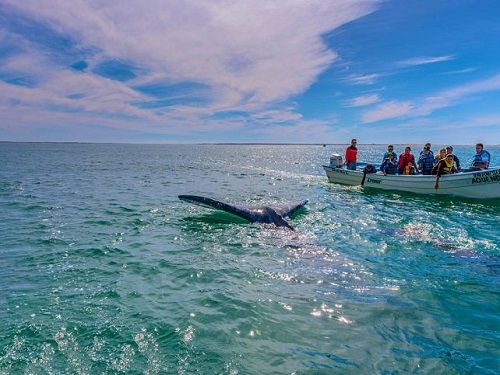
x=212 y=203
x=290 y=209
x=259 y=214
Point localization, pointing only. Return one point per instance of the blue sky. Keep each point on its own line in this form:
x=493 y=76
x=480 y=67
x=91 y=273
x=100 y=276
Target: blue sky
x=250 y=71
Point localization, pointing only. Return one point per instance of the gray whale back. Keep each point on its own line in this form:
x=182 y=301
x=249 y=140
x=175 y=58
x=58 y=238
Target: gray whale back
x=259 y=214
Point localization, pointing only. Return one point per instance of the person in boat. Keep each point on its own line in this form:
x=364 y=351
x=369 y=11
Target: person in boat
x=369 y=169
x=449 y=150
x=481 y=159
x=445 y=166
x=390 y=161
x=411 y=168
x=406 y=159
x=440 y=156
x=351 y=155
x=426 y=160
x=427 y=146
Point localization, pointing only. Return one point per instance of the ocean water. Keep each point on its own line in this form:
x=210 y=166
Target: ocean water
x=104 y=270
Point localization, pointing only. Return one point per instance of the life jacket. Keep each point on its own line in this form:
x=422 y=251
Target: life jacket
x=478 y=158
x=448 y=166
x=426 y=162
x=389 y=168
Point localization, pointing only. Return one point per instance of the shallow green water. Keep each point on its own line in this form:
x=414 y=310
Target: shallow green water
x=103 y=269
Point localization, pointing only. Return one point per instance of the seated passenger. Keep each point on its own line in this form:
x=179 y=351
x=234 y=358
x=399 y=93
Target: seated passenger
x=369 y=169
x=411 y=168
x=440 y=156
x=449 y=150
x=427 y=146
x=426 y=160
x=390 y=161
x=444 y=166
x=406 y=158
x=481 y=159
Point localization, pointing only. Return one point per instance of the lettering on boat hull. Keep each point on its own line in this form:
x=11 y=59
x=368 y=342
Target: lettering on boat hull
x=486 y=177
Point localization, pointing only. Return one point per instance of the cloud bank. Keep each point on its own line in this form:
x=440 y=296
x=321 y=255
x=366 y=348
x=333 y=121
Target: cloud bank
x=165 y=65
x=427 y=105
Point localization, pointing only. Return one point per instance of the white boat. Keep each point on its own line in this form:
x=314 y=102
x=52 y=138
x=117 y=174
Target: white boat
x=483 y=184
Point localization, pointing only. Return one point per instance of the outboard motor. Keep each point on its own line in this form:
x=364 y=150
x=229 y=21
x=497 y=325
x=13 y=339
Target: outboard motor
x=336 y=161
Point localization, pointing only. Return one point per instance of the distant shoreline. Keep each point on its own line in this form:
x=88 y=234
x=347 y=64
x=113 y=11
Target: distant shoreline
x=233 y=143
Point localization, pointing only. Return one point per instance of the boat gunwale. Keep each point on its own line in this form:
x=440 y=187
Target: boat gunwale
x=453 y=176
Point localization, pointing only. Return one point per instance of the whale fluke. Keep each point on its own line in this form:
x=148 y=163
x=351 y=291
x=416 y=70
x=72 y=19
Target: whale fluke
x=259 y=214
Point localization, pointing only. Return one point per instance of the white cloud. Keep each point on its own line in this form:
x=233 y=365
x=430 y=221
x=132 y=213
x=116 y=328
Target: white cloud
x=426 y=106
x=460 y=71
x=388 y=110
x=363 y=79
x=425 y=60
x=301 y=132
x=450 y=97
x=364 y=100
x=247 y=51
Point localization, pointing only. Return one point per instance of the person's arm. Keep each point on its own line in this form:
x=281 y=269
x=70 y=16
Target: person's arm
x=438 y=174
x=486 y=160
x=400 y=161
x=457 y=162
x=436 y=185
x=420 y=162
x=415 y=165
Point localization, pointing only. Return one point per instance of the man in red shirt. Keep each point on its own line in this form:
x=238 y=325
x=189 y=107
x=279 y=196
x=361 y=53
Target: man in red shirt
x=351 y=155
x=405 y=159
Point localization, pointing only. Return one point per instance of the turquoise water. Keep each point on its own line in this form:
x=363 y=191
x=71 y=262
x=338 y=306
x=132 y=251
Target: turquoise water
x=104 y=270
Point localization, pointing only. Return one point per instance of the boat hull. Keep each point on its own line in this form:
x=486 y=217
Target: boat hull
x=483 y=184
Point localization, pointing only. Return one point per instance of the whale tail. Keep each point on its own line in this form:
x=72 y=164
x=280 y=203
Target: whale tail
x=260 y=214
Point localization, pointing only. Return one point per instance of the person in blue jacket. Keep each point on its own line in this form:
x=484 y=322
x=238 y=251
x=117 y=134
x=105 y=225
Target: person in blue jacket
x=427 y=146
x=481 y=159
x=390 y=162
x=426 y=160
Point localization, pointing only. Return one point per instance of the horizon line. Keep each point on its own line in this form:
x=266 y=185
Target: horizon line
x=236 y=143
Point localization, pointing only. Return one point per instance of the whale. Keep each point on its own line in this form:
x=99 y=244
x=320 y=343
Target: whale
x=264 y=214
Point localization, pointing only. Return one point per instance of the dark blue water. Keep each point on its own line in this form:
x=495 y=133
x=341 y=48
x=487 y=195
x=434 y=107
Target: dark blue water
x=104 y=270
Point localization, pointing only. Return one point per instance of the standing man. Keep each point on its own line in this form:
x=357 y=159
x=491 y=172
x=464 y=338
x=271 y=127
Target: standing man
x=351 y=155
x=481 y=159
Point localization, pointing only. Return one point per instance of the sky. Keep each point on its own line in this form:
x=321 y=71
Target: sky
x=165 y=71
